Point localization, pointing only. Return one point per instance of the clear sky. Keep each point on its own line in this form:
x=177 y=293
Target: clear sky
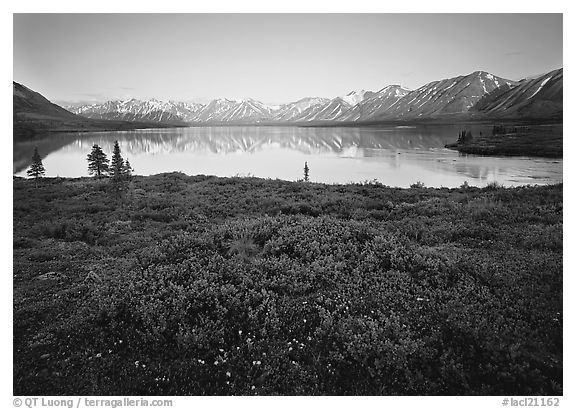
x=274 y=58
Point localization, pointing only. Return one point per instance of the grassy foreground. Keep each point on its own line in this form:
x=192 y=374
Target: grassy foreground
x=204 y=285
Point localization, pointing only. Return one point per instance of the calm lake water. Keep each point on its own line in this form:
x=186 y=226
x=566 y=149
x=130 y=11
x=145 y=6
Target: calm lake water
x=393 y=155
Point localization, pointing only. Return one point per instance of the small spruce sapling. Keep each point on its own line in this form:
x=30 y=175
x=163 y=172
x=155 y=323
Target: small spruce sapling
x=36 y=169
x=127 y=170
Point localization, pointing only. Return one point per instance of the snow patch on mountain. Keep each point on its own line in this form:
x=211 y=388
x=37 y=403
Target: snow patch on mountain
x=354 y=97
x=540 y=87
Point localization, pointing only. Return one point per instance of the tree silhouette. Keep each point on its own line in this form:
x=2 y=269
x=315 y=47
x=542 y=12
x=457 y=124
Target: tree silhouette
x=306 y=171
x=465 y=137
x=127 y=169
x=117 y=164
x=36 y=169
x=97 y=162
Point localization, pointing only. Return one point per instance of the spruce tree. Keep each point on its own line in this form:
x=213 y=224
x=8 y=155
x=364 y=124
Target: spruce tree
x=117 y=165
x=127 y=170
x=97 y=162
x=306 y=171
x=36 y=169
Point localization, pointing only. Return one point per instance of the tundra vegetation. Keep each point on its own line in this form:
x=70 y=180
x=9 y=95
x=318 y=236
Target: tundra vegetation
x=199 y=285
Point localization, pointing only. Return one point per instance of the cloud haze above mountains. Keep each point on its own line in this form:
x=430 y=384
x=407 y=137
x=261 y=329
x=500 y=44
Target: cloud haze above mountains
x=273 y=58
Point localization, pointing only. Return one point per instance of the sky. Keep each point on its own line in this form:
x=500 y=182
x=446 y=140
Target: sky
x=274 y=58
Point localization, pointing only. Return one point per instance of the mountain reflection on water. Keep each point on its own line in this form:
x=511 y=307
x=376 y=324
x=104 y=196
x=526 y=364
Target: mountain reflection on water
x=396 y=156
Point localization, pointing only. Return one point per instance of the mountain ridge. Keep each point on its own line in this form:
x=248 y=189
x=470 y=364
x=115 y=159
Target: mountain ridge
x=478 y=95
x=540 y=97
x=33 y=114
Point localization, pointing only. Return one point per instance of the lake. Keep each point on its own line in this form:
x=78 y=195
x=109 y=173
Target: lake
x=393 y=155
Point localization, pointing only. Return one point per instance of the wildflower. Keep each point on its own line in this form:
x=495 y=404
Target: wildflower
x=137 y=363
x=98 y=355
x=228 y=374
x=253 y=387
x=240 y=332
x=215 y=362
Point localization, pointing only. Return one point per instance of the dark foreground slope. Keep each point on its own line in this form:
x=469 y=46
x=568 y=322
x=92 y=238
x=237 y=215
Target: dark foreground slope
x=34 y=115
x=205 y=285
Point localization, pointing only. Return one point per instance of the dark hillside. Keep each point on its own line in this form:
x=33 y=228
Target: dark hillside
x=35 y=116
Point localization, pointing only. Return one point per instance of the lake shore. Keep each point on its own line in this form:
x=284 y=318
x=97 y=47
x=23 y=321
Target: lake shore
x=396 y=156
x=30 y=130
x=529 y=141
x=199 y=285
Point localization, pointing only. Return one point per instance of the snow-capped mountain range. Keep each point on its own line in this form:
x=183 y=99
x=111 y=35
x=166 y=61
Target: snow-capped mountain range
x=475 y=94
x=539 y=97
x=133 y=110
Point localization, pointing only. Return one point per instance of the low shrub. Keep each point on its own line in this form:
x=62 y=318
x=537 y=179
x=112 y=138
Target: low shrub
x=354 y=290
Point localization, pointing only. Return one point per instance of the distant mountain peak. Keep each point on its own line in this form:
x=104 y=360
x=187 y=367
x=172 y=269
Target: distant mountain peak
x=356 y=96
x=356 y=92
x=540 y=97
x=447 y=98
